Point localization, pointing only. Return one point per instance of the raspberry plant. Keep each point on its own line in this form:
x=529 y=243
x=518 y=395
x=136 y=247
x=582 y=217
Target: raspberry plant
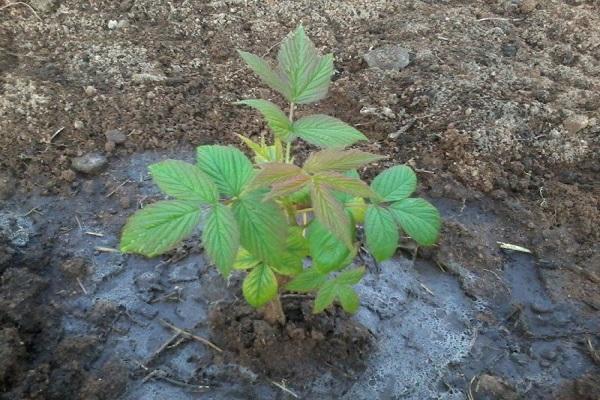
x=269 y=218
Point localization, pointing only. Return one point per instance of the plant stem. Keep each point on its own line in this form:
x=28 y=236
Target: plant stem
x=288 y=145
x=273 y=311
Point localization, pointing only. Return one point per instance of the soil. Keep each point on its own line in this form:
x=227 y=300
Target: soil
x=498 y=110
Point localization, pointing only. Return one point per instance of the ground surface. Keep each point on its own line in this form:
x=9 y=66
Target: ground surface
x=498 y=109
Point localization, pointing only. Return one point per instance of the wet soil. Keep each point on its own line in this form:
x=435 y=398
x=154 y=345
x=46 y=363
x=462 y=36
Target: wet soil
x=498 y=111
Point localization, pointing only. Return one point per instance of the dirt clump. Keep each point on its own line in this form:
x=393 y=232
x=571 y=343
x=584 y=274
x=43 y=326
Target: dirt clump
x=303 y=348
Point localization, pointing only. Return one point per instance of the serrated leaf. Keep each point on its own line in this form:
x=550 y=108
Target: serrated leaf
x=328 y=253
x=307 y=281
x=338 y=160
x=260 y=286
x=296 y=250
x=357 y=208
x=262 y=153
x=326 y=132
x=348 y=298
x=288 y=187
x=341 y=183
x=418 y=218
x=276 y=119
x=158 y=227
x=273 y=79
x=221 y=238
x=245 y=260
x=271 y=173
x=325 y=296
x=330 y=212
x=263 y=227
x=184 y=181
x=395 y=183
x=350 y=276
x=227 y=166
x=381 y=232
x=308 y=73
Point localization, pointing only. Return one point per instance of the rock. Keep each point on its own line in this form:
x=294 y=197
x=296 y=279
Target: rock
x=510 y=49
x=541 y=308
x=109 y=147
x=489 y=386
x=527 y=6
x=575 y=123
x=45 y=6
x=8 y=184
x=112 y=24
x=89 y=90
x=145 y=77
x=184 y=273
x=390 y=57
x=549 y=355
x=77 y=124
x=115 y=136
x=75 y=268
x=90 y=163
x=68 y=175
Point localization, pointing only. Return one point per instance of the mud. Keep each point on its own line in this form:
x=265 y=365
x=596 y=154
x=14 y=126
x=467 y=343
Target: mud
x=497 y=109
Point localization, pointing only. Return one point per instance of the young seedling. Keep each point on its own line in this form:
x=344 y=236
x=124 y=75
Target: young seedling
x=269 y=218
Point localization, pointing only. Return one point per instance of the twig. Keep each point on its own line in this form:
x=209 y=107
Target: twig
x=117 y=188
x=190 y=335
x=500 y=19
x=162 y=348
x=78 y=223
x=94 y=234
x=20 y=3
x=54 y=135
x=470 y=391
x=427 y=289
x=288 y=391
x=82 y=287
x=33 y=210
x=106 y=249
x=595 y=354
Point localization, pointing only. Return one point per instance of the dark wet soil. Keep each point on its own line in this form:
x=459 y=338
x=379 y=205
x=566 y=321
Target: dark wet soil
x=498 y=111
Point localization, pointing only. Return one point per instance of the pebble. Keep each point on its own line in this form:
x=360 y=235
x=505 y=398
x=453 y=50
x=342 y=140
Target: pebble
x=77 y=124
x=115 y=136
x=89 y=90
x=575 y=123
x=90 y=163
x=391 y=57
x=112 y=24
x=549 y=355
x=528 y=6
x=541 y=308
x=510 y=49
x=68 y=175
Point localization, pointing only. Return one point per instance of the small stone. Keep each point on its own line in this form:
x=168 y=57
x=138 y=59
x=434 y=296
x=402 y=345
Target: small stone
x=68 y=175
x=90 y=163
x=390 y=57
x=575 y=123
x=77 y=124
x=528 y=6
x=495 y=387
x=112 y=24
x=125 y=201
x=8 y=185
x=90 y=90
x=549 y=355
x=145 y=77
x=115 y=136
x=317 y=335
x=74 y=268
x=510 y=49
x=109 y=147
x=541 y=308
x=45 y=6
x=545 y=363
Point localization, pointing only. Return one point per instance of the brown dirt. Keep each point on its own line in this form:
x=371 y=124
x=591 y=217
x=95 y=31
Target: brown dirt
x=306 y=346
x=489 y=125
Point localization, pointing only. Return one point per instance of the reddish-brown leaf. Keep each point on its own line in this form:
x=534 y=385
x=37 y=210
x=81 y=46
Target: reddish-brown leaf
x=288 y=186
x=345 y=184
x=272 y=173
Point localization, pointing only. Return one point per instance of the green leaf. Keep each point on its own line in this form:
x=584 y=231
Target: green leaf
x=184 y=181
x=307 y=281
x=227 y=166
x=326 y=132
x=350 y=276
x=260 y=286
x=263 y=227
x=348 y=298
x=357 y=208
x=158 y=227
x=341 y=183
x=328 y=253
x=308 y=73
x=271 y=173
x=395 y=183
x=221 y=238
x=338 y=160
x=245 y=260
x=331 y=213
x=273 y=79
x=419 y=219
x=296 y=250
x=381 y=232
x=276 y=119
x=325 y=296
